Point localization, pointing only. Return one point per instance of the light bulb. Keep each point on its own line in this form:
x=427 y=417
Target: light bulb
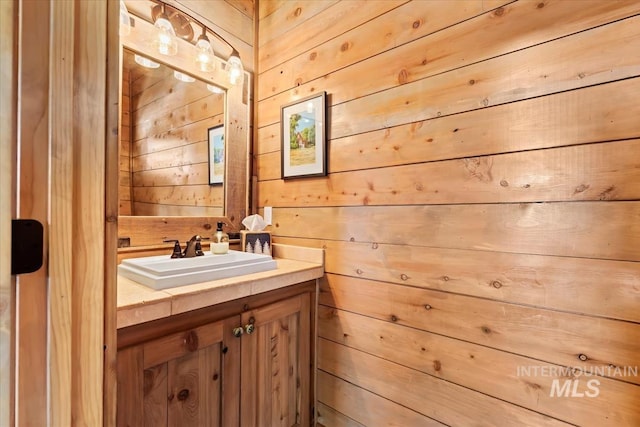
x=235 y=68
x=165 y=41
x=204 y=54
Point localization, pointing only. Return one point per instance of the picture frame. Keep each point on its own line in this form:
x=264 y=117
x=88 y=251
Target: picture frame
x=216 y=154
x=304 y=137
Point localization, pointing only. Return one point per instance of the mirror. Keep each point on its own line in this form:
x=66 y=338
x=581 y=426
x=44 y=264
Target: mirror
x=208 y=204
x=171 y=142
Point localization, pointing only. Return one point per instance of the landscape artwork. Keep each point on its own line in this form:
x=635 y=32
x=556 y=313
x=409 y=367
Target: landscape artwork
x=216 y=154
x=304 y=141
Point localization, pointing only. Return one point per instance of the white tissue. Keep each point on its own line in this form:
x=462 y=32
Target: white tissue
x=254 y=223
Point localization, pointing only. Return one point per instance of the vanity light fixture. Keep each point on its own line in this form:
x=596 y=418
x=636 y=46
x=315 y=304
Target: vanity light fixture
x=204 y=54
x=145 y=62
x=235 y=68
x=172 y=23
x=183 y=77
x=165 y=42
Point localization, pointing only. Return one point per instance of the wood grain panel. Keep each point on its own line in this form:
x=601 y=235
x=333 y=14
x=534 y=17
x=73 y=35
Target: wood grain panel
x=481 y=84
x=333 y=20
x=144 y=231
x=152 y=209
x=190 y=174
x=329 y=417
x=586 y=229
x=554 y=282
x=605 y=112
x=445 y=402
x=470 y=365
x=175 y=136
x=586 y=172
x=518 y=329
x=457 y=46
x=182 y=155
x=363 y=406
x=8 y=155
x=130 y=372
x=289 y=15
x=193 y=195
x=32 y=197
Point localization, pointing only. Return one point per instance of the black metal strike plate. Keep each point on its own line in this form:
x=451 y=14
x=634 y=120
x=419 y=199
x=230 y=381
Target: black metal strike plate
x=26 y=245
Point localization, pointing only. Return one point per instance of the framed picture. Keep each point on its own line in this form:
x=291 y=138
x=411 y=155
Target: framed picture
x=304 y=138
x=216 y=155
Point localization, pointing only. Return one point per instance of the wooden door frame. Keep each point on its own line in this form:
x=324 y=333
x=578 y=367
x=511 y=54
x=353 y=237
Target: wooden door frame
x=69 y=102
x=8 y=12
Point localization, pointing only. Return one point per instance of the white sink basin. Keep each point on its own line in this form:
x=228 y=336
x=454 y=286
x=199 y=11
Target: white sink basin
x=161 y=272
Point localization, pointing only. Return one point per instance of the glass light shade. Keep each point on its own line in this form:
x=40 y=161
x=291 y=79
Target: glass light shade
x=125 y=20
x=183 y=77
x=165 y=42
x=145 y=62
x=235 y=68
x=204 y=55
x=214 y=89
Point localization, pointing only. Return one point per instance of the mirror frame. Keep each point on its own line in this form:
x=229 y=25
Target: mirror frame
x=237 y=125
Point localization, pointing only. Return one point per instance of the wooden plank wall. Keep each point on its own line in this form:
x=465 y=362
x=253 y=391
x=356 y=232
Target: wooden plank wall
x=124 y=146
x=481 y=215
x=169 y=152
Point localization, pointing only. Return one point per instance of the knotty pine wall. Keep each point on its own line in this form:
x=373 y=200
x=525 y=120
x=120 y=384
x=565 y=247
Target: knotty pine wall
x=169 y=150
x=124 y=146
x=481 y=214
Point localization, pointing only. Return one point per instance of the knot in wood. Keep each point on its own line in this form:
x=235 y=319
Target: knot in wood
x=416 y=24
x=359 y=271
x=344 y=47
x=403 y=76
x=437 y=365
x=404 y=277
x=207 y=226
x=496 y=284
x=583 y=357
x=427 y=307
x=394 y=318
x=499 y=11
x=298 y=11
x=374 y=245
x=183 y=394
x=191 y=341
x=504 y=183
x=313 y=55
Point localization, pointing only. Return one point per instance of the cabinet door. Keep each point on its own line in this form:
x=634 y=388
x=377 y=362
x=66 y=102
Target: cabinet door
x=276 y=360
x=188 y=378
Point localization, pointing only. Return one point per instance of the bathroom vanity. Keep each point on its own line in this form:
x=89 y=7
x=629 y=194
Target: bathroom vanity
x=230 y=352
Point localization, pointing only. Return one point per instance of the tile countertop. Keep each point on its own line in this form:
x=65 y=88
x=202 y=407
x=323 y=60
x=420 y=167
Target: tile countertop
x=138 y=303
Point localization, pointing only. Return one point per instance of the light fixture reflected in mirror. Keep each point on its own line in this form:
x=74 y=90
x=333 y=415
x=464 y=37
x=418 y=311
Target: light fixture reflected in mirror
x=215 y=89
x=183 y=77
x=145 y=62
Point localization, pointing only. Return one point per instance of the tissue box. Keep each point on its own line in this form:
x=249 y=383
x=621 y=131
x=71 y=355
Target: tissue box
x=257 y=242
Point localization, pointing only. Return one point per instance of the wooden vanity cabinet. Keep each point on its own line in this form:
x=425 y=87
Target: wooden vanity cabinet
x=249 y=368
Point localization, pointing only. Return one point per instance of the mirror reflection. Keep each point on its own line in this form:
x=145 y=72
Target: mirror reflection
x=167 y=160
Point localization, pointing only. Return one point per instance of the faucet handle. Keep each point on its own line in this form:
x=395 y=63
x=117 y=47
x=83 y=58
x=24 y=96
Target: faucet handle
x=177 y=250
x=199 y=245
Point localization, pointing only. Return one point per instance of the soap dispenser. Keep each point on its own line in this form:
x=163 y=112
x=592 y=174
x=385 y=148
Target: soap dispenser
x=220 y=241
